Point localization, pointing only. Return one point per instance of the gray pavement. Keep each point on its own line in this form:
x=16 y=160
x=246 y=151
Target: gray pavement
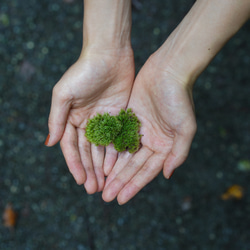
x=39 y=40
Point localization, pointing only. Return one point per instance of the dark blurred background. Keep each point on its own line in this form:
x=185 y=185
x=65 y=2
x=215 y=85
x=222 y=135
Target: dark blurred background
x=205 y=205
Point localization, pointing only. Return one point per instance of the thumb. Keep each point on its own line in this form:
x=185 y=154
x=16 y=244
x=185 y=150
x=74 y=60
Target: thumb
x=59 y=111
x=178 y=154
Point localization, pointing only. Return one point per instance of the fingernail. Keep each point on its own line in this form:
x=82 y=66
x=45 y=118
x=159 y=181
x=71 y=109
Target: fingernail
x=168 y=177
x=47 y=140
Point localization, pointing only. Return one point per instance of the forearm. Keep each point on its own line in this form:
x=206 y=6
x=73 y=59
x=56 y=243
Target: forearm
x=106 y=24
x=201 y=34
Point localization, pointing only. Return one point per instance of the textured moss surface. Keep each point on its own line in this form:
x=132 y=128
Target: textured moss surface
x=121 y=130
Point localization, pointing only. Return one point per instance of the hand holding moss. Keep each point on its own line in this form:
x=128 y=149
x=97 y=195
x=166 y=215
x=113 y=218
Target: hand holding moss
x=165 y=109
x=94 y=84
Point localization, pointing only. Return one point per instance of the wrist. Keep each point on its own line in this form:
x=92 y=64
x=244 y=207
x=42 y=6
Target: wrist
x=200 y=36
x=113 y=54
x=107 y=24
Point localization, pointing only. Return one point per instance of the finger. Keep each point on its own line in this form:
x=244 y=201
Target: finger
x=110 y=159
x=179 y=152
x=150 y=170
x=69 y=146
x=122 y=161
x=86 y=158
x=60 y=107
x=98 y=158
x=130 y=170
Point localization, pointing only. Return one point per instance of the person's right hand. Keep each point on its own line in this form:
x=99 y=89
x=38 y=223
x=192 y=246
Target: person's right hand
x=100 y=81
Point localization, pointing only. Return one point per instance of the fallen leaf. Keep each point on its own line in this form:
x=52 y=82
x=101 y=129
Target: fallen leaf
x=9 y=216
x=4 y=19
x=233 y=192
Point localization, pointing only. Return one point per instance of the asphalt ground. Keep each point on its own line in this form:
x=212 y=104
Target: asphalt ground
x=39 y=40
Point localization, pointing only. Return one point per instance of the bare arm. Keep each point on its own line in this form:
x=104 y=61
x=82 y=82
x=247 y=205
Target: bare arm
x=107 y=23
x=201 y=35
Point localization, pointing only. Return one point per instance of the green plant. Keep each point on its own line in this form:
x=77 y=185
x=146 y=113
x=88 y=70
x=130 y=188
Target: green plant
x=121 y=130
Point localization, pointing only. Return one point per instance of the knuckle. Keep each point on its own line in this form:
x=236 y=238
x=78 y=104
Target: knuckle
x=55 y=90
x=60 y=93
x=119 y=182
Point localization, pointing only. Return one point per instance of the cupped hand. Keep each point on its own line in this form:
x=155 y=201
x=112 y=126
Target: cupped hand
x=164 y=105
x=98 y=82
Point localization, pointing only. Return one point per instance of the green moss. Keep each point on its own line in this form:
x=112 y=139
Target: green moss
x=103 y=129
x=121 y=130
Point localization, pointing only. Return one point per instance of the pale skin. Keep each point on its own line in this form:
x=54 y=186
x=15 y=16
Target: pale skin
x=102 y=79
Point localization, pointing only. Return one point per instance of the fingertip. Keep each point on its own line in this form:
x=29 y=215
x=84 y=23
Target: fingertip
x=169 y=167
x=106 y=197
x=109 y=193
x=80 y=179
x=77 y=171
x=120 y=201
x=168 y=173
x=127 y=193
x=172 y=163
x=91 y=186
x=90 y=181
x=51 y=140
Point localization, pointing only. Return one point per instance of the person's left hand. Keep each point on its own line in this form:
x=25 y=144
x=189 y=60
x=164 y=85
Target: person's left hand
x=164 y=105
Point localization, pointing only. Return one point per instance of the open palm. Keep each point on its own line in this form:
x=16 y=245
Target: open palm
x=165 y=108
x=96 y=83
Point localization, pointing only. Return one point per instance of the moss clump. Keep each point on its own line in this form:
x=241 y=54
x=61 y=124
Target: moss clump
x=103 y=129
x=121 y=130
